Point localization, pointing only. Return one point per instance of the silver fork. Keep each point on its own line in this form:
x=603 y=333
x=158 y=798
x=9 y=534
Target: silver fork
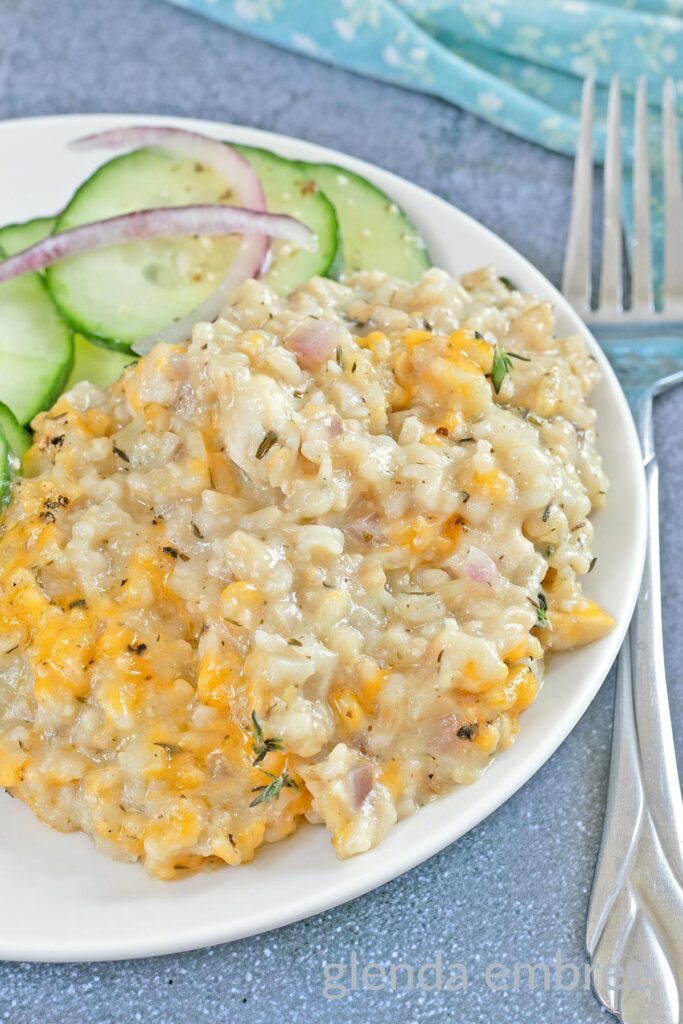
x=635 y=916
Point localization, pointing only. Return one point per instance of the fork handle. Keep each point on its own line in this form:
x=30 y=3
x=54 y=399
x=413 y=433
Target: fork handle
x=635 y=916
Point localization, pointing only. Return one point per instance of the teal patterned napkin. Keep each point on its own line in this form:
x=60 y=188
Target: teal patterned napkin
x=519 y=64
x=516 y=63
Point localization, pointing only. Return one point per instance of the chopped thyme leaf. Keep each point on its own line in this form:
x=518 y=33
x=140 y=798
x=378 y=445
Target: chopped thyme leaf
x=80 y=602
x=294 y=642
x=262 y=746
x=137 y=648
x=464 y=496
x=542 y=610
x=499 y=368
x=502 y=364
x=170 y=748
x=338 y=356
x=273 y=789
x=121 y=454
x=592 y=565
x=168 y=550
x=266 y=444
x=546 y=512
x=197 y=532
x=507 y=282
x=479 y=336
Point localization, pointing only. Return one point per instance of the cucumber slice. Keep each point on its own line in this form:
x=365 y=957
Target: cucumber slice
x=16 y=237
x=5 y=471
x=96 y=363
x=376 y=234
x=14 y=443
x=126 y=292
x=18 y=439
x=285 y=183
x=36 y=348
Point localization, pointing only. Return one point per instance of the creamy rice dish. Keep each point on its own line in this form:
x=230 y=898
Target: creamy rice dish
x=307 y=566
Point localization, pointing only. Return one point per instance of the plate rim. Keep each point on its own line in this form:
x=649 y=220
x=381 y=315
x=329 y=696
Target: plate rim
x=319 y=901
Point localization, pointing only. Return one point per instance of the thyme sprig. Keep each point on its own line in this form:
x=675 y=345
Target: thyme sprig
x=262 y=745
x=272 y=790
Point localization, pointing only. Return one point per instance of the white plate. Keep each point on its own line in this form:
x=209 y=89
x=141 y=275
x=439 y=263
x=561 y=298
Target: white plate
x=59 y=898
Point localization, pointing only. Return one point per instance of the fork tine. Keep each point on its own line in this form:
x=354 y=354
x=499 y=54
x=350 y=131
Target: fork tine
x=611 y=282
x=673 y=202
x=576 y=275
x=641 y=261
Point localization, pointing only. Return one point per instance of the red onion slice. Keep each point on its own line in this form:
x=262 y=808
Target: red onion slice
x=163 y=222
x=238 y=174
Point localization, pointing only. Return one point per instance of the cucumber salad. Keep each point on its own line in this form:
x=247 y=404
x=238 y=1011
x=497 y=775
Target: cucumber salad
x=153 y=241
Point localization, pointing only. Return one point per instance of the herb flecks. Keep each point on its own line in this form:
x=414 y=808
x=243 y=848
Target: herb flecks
x=307 y=188
x=468 y=732
x=262 y=745
x=266 y=444
x=510 y=285
x=272 y=790
x=121 y=454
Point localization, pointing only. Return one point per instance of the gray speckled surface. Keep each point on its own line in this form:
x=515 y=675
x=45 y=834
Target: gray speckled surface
x=514 y=889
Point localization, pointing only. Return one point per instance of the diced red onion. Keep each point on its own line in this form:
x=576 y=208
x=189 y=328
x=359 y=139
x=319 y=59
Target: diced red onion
x=163 y=222
x=442 y=734
x=366 y=529
x=315 y=342
x=239 y=175
x=361 y=779
x=480 y=567
x=335 y=425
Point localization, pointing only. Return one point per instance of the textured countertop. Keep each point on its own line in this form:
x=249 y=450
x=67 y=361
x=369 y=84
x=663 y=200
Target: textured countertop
x=515 y=889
